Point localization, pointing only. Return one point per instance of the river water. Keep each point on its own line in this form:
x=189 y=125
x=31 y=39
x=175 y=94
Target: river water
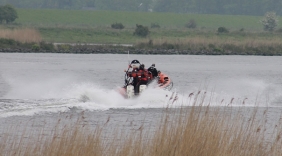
x=40 y=89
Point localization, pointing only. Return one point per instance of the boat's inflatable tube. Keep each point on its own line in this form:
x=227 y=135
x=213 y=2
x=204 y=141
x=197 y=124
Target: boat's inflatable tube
x=164 y=81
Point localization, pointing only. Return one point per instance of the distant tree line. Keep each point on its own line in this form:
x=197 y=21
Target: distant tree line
x=235 y=7
x=231 y=7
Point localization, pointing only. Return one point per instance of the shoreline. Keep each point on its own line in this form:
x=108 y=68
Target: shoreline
x=132 y=50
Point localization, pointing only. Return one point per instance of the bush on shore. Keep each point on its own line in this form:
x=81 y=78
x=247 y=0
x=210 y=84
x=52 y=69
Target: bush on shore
x=191 y=24
x=141 y=30
x=222 y=30
x=117 y=26
x=270 y=21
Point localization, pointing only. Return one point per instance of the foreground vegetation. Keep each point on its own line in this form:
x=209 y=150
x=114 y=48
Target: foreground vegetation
x=197 y=130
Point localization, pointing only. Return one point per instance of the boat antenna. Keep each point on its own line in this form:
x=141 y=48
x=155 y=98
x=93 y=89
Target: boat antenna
x=126 y=78
x=128 y=57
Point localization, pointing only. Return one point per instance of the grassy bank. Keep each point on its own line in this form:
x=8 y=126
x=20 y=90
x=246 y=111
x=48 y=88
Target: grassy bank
x=245 y=36
x=160 y=41
x=197 y=130
x=241 y=43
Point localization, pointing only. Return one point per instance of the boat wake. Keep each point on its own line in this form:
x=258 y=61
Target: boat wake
x=85 y=96
x=93 y=97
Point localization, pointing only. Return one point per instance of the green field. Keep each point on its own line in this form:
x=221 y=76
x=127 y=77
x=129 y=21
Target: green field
x=95 y=26
x=79 y=18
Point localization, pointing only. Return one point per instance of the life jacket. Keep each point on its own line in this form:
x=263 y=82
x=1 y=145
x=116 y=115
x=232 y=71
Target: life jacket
x=133 y=73
x=142 y=75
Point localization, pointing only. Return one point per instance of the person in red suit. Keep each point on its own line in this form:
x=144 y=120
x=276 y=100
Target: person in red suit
x=140 y=76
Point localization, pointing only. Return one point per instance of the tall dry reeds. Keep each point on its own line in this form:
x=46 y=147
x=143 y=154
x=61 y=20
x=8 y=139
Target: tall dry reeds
x=25 y=35
x=197 y=130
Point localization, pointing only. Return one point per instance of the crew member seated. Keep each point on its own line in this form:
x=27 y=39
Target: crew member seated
x=140 y=77
x=152 y=69
x=135 y=64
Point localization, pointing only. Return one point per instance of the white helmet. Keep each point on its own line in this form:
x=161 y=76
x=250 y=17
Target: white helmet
x=135 y=64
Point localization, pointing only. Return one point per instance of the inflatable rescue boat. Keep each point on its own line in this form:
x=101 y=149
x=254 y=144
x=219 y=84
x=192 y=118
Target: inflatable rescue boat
x=134 y=84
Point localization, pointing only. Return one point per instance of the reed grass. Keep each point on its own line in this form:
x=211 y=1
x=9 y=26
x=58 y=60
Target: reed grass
x=221 y=43
x=198 y=130
x=23 y=35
